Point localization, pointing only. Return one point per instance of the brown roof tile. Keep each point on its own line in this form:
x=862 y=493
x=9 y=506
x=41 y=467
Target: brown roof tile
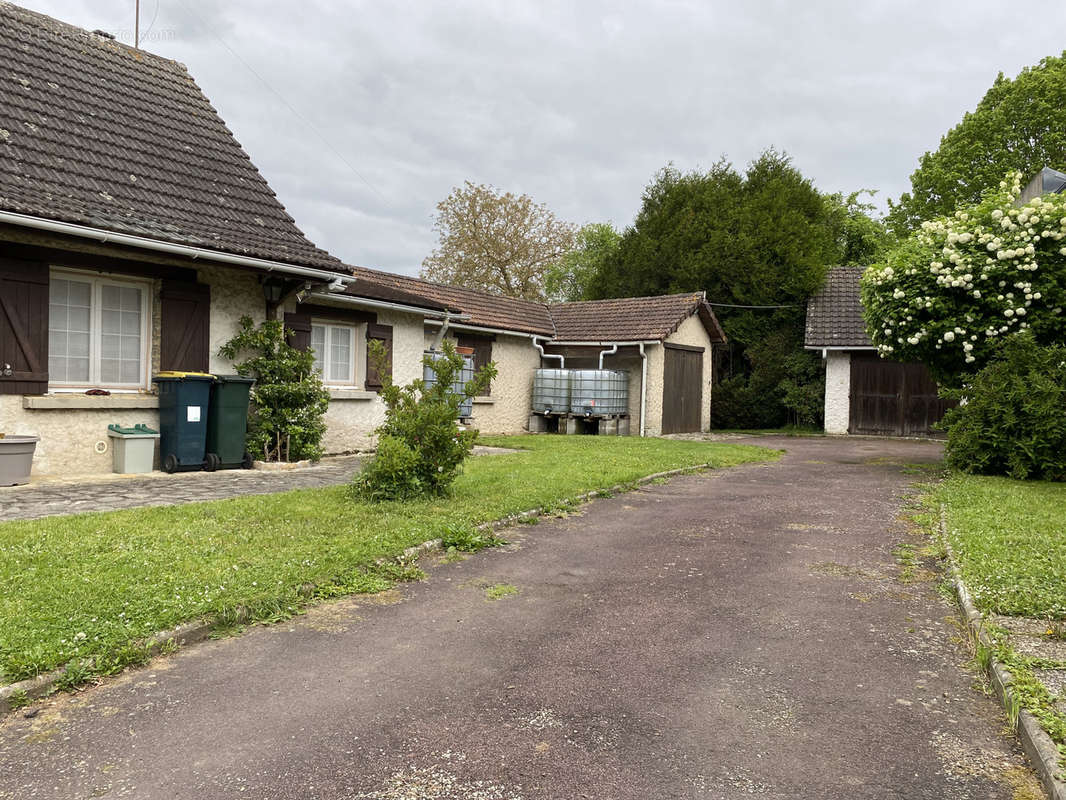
x=96 y=133
x=484 y=308
x=834 y=314
x=624 y=319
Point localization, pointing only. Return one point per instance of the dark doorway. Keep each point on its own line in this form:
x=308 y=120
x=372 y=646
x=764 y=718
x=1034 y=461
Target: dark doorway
x=893 y=399
x=682 y=388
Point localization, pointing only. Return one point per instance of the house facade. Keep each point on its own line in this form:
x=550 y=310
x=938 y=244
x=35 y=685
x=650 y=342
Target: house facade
x=135 y=233
x=864 y=393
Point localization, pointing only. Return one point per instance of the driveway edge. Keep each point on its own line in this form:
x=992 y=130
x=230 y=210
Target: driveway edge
x=15 y=695
x=1042 y=751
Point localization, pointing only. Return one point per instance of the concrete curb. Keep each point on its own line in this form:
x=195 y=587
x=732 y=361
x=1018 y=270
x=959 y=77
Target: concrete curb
x=200 y=630
x=1042 y=751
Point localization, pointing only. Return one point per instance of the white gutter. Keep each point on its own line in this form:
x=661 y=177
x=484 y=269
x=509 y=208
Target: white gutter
x=144 y=243
x=384 y=304
x=824 y=349
x=480 y=329
x=608 y=343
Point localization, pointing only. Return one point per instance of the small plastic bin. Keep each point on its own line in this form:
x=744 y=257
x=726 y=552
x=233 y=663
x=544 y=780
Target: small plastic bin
x=16 y=459
x=227 y=422
x=183 y=403
x=132 y=449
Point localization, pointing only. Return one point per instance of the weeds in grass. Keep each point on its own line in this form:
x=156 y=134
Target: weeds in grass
x=457 y=537
x=500 y=590
x=18 y=699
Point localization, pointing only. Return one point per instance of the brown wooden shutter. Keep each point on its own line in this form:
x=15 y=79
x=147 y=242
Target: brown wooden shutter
x=298 y=330
x=185 y=326
x=482 y=346
x=383 y=334
x=23 y=327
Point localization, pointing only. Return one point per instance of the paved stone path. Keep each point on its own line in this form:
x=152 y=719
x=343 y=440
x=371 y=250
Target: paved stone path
x=78 y=495
x=721 y=636
x=113 y=492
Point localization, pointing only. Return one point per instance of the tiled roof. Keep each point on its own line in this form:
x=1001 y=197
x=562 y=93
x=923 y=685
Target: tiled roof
x=484 y=308
x=834 y=314
x=627 y=319
x=96 y=133
x=624 y=320
x=375 y=290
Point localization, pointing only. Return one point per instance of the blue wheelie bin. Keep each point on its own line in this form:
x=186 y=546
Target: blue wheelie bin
x=183 y=402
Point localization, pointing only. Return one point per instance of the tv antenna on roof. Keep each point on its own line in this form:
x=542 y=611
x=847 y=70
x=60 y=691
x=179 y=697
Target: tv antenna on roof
x=137 y=25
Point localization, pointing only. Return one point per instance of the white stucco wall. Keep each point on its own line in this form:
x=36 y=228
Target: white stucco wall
x=353 y=415
x=506 y=408
x=234 y=294
x=74 y=426
x=837 y=391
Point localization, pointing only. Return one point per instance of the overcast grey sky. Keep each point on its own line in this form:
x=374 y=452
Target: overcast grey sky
x=363 y=115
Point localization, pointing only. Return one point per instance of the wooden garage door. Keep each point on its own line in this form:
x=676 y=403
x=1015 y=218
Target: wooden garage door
x=893 y=399
x=682 y=389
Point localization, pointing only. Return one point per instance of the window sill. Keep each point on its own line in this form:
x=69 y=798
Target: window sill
x=59 y=402
x=351 y=394
x=484 y=401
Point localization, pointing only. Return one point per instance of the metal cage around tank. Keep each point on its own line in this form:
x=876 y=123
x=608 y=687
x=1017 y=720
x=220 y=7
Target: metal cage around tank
x=599 y=392
x=551 y=391
x=466 y=374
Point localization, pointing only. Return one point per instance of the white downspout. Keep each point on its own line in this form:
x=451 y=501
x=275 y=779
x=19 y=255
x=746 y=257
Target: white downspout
x=543 y=355
x=643 y=388
x=610 y=352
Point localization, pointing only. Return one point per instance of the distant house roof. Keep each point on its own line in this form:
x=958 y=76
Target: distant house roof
x=631 y=319
x=834 y=313
x=96 y=133
x=485 y=309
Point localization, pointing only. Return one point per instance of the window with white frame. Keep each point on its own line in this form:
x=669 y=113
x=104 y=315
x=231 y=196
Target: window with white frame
x=336 y=349
x=97 y=331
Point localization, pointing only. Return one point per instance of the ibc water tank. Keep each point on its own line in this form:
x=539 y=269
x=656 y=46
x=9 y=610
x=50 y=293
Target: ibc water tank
x=466 y=374
x=551 y=391
x=599 y=392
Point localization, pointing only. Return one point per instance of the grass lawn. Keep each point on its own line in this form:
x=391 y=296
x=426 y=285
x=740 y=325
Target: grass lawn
x=1010 y=540
x=81 y=590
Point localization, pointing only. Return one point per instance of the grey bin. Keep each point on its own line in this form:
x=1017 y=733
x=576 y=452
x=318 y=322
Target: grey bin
x=16 y=459
x=466 y=409
x=132 y=449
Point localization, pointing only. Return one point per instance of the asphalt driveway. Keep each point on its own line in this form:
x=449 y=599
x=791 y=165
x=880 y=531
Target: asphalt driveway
x=739 y=633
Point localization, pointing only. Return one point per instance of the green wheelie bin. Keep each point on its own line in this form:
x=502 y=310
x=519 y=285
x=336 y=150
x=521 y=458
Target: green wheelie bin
x=183 y=401
x=227 y=423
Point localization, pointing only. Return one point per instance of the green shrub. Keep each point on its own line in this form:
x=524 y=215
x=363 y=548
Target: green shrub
x=1012 y=417
x=288 y=399
x=421 y=449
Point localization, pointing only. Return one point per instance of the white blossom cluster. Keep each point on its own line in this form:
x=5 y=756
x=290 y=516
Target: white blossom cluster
x=962 y=282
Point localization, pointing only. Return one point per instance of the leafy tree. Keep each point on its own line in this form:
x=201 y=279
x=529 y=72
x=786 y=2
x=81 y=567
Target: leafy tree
x=499 y=242
x=569 y=278
x=420 y=447
x=288 y=400
x=949 y=294
x=860 y=237
x=761 y=238
x=1019 y=125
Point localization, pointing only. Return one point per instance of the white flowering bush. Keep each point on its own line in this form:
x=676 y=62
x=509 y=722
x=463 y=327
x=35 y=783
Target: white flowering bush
x=951 y=293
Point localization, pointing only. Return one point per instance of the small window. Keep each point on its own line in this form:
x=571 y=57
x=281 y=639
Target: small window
x=97 y=332
x=335 y=348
